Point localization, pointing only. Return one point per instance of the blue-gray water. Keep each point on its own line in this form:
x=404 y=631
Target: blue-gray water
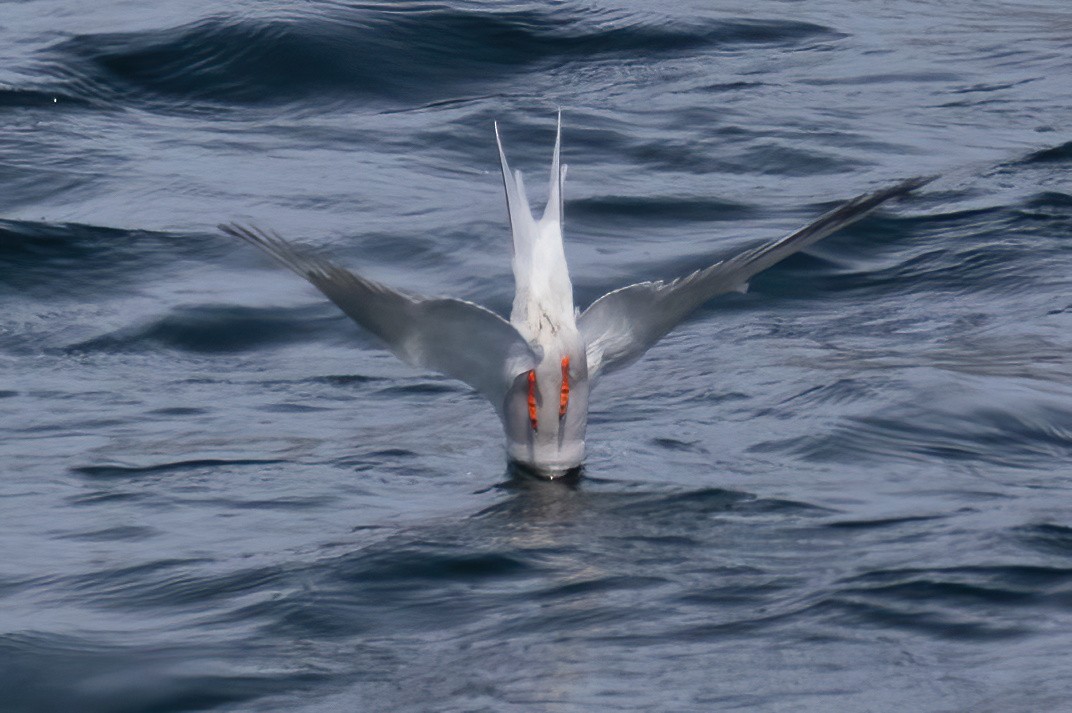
x=848 y=490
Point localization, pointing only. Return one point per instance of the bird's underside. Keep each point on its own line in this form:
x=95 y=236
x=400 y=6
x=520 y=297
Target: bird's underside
x=537 y=368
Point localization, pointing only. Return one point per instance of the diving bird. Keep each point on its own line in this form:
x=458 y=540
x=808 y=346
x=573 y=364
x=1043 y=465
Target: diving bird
x=537 y=369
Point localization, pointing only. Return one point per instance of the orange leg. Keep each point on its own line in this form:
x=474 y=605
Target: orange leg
x=532 y=398
x=563 y=397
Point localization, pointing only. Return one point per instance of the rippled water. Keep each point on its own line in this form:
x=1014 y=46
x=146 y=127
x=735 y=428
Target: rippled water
x=846 y=490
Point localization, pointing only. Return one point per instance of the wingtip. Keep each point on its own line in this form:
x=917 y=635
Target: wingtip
x=898 y=190
x=912 y=184
x=234 y=230
x=502 y=153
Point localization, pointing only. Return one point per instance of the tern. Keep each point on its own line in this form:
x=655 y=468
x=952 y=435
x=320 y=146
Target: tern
x=538 y=368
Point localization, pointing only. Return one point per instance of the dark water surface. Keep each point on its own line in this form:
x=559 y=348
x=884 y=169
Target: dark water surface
x=848 y=490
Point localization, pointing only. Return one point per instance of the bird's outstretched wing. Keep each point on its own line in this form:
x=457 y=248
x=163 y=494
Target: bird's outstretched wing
x=454 y=337
x=621 y=325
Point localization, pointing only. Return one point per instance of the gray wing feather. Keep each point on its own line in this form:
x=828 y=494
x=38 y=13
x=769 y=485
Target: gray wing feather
x=621 y=325
x=454 y=337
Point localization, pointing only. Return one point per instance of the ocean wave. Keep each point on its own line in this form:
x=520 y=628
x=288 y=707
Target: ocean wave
x=615 y=212
x=993 y=601
x=1046 y=539
x=16 y=97
x=411 y=51
x=1054 y=154
x=94 y=674
x=125 y=472
x=213 y=329
x=49 y=260
x=1010 y=435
